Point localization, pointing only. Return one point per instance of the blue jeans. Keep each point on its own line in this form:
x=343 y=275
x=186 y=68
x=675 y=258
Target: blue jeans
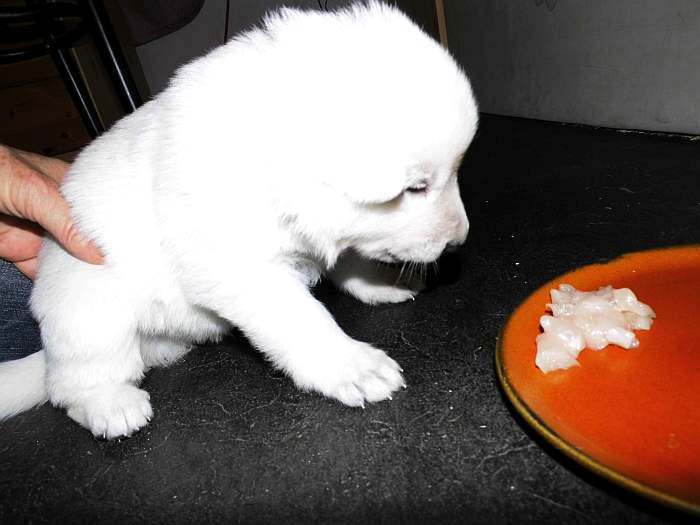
x=19 y=332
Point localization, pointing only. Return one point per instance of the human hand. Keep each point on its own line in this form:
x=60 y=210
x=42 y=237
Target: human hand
x=30 y=204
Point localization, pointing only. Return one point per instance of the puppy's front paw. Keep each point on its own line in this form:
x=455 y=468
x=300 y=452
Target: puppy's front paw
x=354 y=375
x=112 y=411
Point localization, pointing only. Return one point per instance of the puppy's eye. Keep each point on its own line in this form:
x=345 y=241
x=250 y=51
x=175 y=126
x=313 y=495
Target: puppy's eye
x=421 y=187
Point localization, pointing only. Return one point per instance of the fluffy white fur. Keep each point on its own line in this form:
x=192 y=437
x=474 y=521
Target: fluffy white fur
x=316 y=145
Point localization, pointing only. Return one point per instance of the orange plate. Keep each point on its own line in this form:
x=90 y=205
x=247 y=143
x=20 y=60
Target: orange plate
x=631 y=415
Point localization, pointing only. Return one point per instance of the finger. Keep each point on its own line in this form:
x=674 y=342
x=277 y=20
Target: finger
x=56 y=218
x=20 y=183
x=36 y=197
x=28 y=267
x=45 y=204
x=19 y=239
x=54 y=168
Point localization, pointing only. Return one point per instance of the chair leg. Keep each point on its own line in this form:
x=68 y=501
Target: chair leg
x=112 y=56
x=73 y=80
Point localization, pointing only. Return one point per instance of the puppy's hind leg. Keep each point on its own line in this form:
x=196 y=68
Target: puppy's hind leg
x=372 y=282
x=162 y=351
x=93 y=354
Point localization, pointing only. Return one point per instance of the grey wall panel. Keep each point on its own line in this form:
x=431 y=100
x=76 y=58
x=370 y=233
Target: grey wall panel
x=244 y=14
x=160 y=58
x=620 y=63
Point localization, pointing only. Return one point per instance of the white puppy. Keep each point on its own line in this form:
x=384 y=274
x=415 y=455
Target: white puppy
x=317 y=145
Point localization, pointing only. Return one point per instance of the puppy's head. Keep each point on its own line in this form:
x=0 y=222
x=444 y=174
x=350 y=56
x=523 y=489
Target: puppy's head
x=385 y=115
x=425 y=218
x=408 y=117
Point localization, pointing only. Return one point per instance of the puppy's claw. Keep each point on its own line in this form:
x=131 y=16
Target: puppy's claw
x=113 y=412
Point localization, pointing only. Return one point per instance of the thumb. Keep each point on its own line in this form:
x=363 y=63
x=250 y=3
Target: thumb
x=54 y=216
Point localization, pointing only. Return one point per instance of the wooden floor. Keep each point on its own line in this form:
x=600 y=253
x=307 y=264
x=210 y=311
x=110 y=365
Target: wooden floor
x=36 y=112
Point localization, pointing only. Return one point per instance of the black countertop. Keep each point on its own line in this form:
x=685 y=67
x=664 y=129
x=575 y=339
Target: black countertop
x=234 y=441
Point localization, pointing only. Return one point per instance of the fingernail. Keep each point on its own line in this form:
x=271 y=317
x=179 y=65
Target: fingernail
x=92 y=254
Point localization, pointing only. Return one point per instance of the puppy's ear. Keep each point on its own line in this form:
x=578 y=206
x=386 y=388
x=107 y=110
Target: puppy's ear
x=371 y=186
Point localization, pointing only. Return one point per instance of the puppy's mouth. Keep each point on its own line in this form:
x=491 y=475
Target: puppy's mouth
x=407 y=273
x=390 y=259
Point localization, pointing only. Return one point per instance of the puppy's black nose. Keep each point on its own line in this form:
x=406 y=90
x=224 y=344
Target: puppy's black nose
x=452 y=247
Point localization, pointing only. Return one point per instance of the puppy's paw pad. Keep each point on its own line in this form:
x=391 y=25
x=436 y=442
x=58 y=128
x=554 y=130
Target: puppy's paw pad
x=112 y=411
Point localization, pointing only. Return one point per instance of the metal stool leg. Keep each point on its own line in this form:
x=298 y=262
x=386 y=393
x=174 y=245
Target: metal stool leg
x=73 y=80
x=69 y=70
x=112 y=56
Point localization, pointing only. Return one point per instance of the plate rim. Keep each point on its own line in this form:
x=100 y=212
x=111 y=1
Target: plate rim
x=561 y=444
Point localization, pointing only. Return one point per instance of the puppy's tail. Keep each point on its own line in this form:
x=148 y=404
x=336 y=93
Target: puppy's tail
x=22 y=384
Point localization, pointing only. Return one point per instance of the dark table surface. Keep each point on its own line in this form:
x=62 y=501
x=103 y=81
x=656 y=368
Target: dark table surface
x=234 y=441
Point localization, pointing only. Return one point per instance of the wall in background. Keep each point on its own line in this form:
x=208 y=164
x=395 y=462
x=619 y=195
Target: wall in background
x=246 y=13
x=631 y=64
x=159 y=58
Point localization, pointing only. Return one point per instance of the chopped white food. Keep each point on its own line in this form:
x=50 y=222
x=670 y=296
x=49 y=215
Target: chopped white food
x=588 y=319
